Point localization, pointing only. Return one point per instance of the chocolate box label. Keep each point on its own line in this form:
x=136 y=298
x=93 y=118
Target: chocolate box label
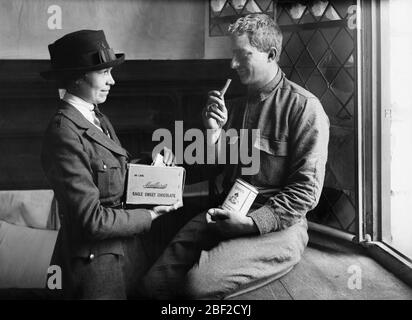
x=153 y=185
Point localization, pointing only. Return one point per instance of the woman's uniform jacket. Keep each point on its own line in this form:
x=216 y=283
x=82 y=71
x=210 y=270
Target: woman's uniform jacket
x=87 y=172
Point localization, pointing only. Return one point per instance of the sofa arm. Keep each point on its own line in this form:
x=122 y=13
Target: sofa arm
x=29 y=208
x=25 y=255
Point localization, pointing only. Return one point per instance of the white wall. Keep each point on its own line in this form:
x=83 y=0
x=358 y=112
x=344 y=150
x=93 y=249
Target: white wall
x=143 y=29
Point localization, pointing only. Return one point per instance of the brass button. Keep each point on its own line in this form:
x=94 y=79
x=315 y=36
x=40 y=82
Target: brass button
x=104 y=167
x=91 y=256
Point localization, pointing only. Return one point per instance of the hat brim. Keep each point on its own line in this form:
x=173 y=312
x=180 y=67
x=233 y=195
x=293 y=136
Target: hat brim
x=57 y=73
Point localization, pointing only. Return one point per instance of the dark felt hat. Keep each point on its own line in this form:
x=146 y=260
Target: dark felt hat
x=81 y=51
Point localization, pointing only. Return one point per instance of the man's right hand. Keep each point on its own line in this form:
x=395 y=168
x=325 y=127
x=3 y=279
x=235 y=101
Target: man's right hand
x=215 y=113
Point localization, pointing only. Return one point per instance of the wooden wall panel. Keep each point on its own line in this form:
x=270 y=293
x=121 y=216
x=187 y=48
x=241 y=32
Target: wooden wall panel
x=147 y=95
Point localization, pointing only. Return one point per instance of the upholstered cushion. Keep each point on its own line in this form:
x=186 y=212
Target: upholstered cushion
x=25 y=255
x=31 y=208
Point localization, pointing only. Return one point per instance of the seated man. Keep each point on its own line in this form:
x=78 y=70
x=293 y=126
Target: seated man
x=219 y=251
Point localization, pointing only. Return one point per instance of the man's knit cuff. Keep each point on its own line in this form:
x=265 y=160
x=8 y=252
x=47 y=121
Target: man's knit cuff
x=265 y=219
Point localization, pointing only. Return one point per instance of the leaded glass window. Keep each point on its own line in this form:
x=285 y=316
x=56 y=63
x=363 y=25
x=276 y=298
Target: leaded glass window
x=224 y=12
x=319 y=53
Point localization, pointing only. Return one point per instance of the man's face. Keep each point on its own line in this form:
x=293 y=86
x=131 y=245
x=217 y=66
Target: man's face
x=251 y=65
x=95 y=86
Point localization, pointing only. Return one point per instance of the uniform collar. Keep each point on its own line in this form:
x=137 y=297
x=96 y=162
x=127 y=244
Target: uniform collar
x=77 y=102
x=264 y=92
x=76 y=117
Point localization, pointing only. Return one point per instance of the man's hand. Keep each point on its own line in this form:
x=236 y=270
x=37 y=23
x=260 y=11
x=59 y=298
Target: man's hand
x=230 y=224
x=215 y=113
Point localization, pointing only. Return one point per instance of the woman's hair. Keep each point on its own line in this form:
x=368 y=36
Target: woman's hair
x=67 y=79
x=263 y=32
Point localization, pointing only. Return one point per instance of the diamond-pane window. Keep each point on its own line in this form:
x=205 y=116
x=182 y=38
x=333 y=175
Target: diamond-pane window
x=305 y=66
x=350 y=108
x=306 y=35
x=265 y=4
x=317 y=47
x=228 y=10
x=283 y=17
x=330 y=14
x=251 y=7
x=350 y=70
x=307 y=17
x=318 y=8
x=341 y=7
x=286 y=37
x=329 y=66
x=330 y=33
x=320 y=49
x=215 y=30
x=294 y=47
x=331 y=105
x=342 y=86
x=316 y=84
x=287 y=71
x=285 y=61
x=224 y=12
x=269 y=9
x=305 y=61
x=296 y=11
x=342 y=45
x=294 y=76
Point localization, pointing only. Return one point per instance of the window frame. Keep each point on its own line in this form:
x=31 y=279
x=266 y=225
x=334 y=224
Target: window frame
x=374 y=224
x=374 y=69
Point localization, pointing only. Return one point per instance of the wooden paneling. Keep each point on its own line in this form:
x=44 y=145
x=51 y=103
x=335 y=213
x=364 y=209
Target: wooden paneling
x=147 y=95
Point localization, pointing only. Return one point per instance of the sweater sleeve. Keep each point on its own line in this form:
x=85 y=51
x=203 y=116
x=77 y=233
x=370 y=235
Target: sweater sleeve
x=308 y=148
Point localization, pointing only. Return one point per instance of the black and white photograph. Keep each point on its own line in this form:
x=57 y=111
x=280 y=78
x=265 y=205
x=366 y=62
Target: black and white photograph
x=224 y=151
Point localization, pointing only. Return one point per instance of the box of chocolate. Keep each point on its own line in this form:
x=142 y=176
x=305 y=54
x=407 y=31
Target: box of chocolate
x=154 y=185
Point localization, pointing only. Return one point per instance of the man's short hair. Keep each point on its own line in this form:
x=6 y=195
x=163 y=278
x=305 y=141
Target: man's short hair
x=263 y=32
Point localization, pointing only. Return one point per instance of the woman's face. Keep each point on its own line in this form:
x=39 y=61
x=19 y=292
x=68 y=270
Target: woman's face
x=94 y=87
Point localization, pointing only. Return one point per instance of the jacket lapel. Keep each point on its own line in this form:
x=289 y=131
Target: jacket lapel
x=74 y=115
x=105 y=141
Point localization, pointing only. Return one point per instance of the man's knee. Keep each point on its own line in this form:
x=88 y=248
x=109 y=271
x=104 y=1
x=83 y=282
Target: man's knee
x=204 y=284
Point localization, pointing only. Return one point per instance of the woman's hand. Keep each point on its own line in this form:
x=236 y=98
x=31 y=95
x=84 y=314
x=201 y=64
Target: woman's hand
x=168 y=157
x=158 y=211
x=165 y=159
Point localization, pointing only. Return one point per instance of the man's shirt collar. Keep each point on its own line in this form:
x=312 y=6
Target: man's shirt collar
x=264 y=92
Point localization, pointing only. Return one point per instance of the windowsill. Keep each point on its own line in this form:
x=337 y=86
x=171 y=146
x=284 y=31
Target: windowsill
x=394 y=262
x=391 y=260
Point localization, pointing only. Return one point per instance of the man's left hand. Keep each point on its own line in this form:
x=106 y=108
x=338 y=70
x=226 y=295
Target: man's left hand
x=229 y=223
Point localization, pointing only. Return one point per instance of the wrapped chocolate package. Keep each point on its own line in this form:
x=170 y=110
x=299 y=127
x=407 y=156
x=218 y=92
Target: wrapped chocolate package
x=154 y=185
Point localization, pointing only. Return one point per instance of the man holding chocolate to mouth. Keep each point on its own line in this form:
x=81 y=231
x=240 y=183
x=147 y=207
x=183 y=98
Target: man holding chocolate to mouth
x=220 y=252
